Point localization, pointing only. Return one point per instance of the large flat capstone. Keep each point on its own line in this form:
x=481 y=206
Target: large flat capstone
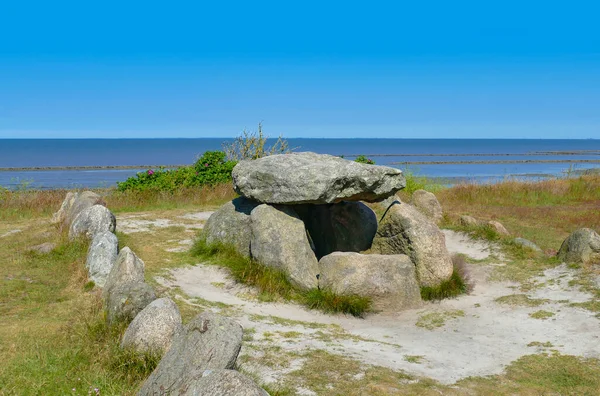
x=314 y=178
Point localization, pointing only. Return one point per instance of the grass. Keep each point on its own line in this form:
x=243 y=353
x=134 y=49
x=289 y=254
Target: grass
x=455 y=286
x=433 y=320
x=541 y=314
x=520 y=300
x=53 y=336
x=273 y=284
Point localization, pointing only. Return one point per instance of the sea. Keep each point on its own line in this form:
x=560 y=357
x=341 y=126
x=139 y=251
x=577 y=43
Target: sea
x=37 y=163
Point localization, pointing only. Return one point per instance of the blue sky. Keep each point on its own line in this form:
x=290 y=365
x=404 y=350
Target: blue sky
x=398 y=69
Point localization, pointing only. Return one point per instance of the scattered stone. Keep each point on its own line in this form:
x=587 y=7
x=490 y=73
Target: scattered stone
x=279 y=240
x=91 y=221
x=208 y=342
x=528 y=244
x=126 y=300
x=390 y=280
x=221 y=383
x=153 y=328
x=404 y=230
x=314 y=178
x=427 y=204
x=43 y=248
x=231 y=224
x=102 y=255
x=341 y=227
x=468 y=221
x=498 y=227
x=128 y=268
x=73 y=204
x=582 y=246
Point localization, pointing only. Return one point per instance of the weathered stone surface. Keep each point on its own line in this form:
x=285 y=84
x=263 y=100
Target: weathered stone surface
x=390 y=280
x=314 y=178
x=102 y=255
x=341 y=227
x=128 y=268
x=231 y=224
x=91 y=221
x=208 y=342
x=427 y=204
x=126 y=300
x=468 y=221
x=528 y=244
x=73 y=204
x=221 y=383
x=279 y=240
x=43 y=248
x=404 y=230
x=154 y=327
x=498 y=227
x=582 y=246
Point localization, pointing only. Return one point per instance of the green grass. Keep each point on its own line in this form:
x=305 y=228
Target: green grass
x=457 y=285
x=541 y=314
x=273 y=284
x=433 y=320
x=520 y=300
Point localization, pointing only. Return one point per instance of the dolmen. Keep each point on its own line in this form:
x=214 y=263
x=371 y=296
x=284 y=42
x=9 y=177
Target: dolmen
x=305 y=214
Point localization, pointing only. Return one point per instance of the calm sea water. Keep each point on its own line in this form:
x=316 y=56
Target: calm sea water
x=133 y=152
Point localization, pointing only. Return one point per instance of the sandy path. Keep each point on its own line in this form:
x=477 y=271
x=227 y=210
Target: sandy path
x=487 y=337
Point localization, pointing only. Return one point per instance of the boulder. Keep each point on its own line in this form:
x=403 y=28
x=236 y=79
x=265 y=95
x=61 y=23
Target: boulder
x=208 y=342
x=528 y=244
x=91 y=221
x=43 y=248
x=498 y=228
x=126 y=300
x=427 y=204
x=404 y=230
x=298 y=178
x=341 y=227
x=582 y=246
x=128 y=268
x=390 y=280
x=153 y=328
x=279 y=240
x=102 y=255
x=468 y=221
x=221 y=383
x=73 y=204
x=231 y=224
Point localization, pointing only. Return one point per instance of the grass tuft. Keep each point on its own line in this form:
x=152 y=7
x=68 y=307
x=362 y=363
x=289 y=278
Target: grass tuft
x=455 y=286
x=273 y=284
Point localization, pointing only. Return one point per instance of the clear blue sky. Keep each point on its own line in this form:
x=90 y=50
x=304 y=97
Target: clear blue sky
x=430 y=69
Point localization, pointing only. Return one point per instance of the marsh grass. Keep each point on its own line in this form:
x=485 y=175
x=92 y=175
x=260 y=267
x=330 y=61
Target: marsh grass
x=273 y=284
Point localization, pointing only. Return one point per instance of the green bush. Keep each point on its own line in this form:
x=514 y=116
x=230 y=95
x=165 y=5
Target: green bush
x=210 y=169
x=362 y=159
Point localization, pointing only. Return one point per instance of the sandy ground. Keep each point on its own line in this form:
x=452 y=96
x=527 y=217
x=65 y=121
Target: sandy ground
x=478 y=335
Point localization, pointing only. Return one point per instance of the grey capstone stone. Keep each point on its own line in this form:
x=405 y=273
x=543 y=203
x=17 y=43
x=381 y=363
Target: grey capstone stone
x=126 y=300
x=314 y=178
x=128 y=268
x=231 y=225
x=390 y=280
x=221 y=383
x=91 y=221
x=279 y=240
x=582 y=246
x=427 y=204
x=208 y=342
x=341 y=227
x=153 y=328
x=102 y=255
x=404 y=230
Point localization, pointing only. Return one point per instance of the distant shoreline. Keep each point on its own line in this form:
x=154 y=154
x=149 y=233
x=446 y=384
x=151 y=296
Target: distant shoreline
x=124 y=167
